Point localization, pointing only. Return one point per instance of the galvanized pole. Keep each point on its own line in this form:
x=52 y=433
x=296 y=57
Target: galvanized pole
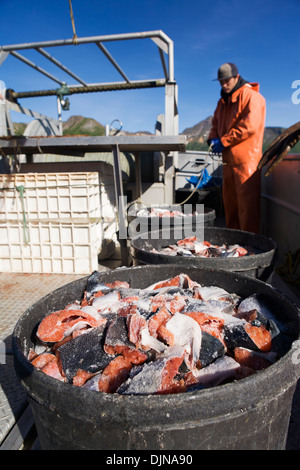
x=59 y=115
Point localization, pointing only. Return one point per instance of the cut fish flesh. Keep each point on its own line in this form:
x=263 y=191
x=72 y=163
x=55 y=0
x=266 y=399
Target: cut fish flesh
x=174 y=336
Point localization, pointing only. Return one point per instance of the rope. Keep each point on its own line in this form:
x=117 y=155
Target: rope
x=139 y=201
x=26 y=235
x=21 y=190
x=59 y=186
x=73 y=23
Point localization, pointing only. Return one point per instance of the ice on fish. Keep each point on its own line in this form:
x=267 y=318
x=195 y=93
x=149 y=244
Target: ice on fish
x=174 y=303
x=73 y=306
x=105 y=303
x=148 y=342
x=187 y=333
x=183 y=252
x=168 y=338
x=223 y=368
x=215 y=293
x=211 y=307
x=224 y=306
x=90 y=310
x=139 y=335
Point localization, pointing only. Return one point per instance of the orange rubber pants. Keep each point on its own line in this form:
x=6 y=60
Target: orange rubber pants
x=241 y=197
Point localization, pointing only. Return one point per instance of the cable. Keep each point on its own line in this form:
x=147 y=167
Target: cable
x=73 y=23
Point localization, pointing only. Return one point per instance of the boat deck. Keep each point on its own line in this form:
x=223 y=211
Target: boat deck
x=18 y=292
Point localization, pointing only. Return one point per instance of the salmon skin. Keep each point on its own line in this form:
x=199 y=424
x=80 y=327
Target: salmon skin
x=248 y=336
x=173 y=336
x=156 y=377
x=211 y=349
x=94 y=285
x=191 y=247
x=84 y=352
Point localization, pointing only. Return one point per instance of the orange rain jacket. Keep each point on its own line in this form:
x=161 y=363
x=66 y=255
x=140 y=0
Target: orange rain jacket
x=239 y=124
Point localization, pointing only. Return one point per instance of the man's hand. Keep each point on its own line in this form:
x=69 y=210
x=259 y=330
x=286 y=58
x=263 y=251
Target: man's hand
x=216 y=145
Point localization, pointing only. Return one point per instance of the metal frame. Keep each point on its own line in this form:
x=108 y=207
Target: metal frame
x=135 y=143
x=164 y=43
x=165 y=46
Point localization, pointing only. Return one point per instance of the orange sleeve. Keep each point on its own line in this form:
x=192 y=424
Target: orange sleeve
x=248 y=122
x=213 y=133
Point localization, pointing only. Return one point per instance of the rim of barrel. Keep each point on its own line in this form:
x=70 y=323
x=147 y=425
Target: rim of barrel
x=156 y=235
x=207 y=215
x=134 y=209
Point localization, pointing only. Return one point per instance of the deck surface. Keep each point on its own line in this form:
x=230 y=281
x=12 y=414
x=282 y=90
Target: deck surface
x=18 y=292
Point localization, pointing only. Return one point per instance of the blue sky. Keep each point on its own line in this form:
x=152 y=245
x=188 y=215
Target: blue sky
x=261 y=37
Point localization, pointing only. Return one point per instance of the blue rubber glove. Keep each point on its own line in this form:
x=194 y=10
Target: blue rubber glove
x=216 y=145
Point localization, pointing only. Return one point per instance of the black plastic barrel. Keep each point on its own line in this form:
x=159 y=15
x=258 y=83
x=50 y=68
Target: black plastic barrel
x=144 y=223
x=251 y=413
x=260 y=264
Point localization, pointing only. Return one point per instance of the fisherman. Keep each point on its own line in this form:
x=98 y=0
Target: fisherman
x=237 y=132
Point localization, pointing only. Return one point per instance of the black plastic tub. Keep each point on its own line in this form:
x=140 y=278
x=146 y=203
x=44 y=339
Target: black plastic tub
x=251 y=413
x=259 y=265
x=143 y=223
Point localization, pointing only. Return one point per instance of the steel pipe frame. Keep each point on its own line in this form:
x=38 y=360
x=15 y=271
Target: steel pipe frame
x=159 y=37
x=95 y=87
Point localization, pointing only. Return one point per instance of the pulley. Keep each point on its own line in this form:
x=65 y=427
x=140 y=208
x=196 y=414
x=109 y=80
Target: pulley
x=61 y=93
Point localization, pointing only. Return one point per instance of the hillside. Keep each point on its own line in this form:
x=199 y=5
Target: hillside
x=79 y=125
x=19 y=128
x=196 y=135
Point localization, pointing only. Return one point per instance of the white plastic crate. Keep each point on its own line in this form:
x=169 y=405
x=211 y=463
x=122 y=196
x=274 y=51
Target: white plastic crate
x=50 y=195
x=53 y=247
x=107 y=200
x=60 y=223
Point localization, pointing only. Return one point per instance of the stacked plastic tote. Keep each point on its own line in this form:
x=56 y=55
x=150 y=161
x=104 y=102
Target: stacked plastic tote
x=55 y=222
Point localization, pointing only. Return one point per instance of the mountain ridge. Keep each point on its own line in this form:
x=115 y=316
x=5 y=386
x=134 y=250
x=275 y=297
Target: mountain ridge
x=197 y=135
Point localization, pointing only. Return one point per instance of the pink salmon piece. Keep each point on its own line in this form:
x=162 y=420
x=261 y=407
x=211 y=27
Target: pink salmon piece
x=62 y=323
